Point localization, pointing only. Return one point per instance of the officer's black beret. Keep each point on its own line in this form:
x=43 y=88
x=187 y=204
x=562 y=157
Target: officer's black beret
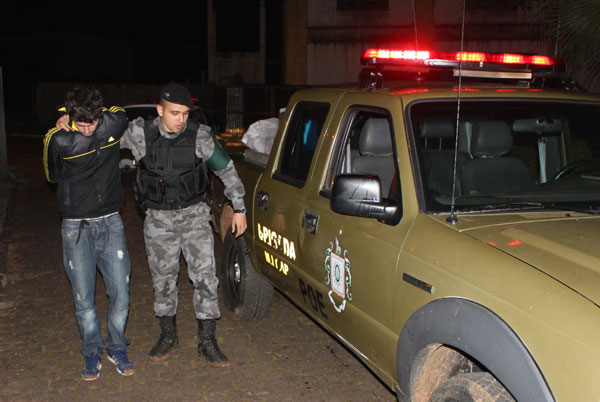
x=175 y=93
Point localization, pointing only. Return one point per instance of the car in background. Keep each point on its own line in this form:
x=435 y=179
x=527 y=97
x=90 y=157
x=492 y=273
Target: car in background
x=145 y=110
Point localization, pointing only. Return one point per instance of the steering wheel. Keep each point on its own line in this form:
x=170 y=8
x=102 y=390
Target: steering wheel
x=574 y=165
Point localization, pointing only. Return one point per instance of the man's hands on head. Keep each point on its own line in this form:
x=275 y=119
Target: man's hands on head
x=63 y=123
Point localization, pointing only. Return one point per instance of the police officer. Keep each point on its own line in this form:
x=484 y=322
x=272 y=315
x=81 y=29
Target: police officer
x=174 y=154
x=83 y=158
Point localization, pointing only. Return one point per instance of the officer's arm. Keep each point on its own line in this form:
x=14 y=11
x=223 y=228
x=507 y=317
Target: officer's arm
x=134 y=139
x=234 y=190
x=63 y=121
x=222 y=165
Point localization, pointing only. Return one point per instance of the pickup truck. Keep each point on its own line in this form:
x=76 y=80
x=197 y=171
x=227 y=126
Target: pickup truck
x=448 y=233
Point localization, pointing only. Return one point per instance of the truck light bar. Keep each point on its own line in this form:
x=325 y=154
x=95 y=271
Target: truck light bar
x=428 y=58
x=537 y=70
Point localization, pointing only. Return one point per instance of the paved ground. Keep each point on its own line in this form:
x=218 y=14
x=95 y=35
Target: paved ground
x=285 y=357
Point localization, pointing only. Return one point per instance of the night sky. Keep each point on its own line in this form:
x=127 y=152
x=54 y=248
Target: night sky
x=115 y=45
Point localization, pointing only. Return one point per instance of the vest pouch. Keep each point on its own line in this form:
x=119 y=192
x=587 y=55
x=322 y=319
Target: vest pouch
x=154 y=189
x=171 y=192
x=188 y=186
x=201 y=179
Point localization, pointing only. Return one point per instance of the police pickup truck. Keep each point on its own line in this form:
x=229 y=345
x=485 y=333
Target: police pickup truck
x=446 y=229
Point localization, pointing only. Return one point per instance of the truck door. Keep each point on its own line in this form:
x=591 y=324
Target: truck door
x=280 y=193
x=351 y=261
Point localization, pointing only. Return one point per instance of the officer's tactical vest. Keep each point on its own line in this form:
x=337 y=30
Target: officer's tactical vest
x=170 y=175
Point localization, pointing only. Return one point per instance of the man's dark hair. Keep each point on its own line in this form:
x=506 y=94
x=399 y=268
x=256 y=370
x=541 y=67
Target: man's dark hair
x=84 y=104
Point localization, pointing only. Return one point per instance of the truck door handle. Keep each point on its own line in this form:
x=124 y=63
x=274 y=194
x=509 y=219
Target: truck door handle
x=310 y=221
x=263 y=200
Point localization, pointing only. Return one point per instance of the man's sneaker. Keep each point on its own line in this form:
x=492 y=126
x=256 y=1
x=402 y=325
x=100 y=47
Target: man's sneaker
x=119 y=359
x=93 y=364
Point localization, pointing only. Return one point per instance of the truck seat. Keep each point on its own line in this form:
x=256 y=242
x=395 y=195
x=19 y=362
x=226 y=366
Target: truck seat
x=438 y=162
x=376 y=153
x=489 y=172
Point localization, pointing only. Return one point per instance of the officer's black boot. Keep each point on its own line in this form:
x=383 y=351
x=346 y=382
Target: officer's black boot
x=168 y=339
x=207 y=344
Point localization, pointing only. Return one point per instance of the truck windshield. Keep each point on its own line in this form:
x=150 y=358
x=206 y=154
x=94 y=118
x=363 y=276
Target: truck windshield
x=511 y=154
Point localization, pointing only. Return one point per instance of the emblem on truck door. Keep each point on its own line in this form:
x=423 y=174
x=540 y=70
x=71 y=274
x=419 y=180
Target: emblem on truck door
x=338 y=277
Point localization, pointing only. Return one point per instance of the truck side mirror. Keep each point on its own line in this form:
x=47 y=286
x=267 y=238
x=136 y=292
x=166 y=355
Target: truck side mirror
x=360 y=195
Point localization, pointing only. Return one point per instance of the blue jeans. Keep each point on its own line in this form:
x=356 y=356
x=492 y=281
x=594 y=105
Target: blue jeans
x=91 y=243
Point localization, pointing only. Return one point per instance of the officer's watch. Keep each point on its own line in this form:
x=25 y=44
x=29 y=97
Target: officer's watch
x=240 y=211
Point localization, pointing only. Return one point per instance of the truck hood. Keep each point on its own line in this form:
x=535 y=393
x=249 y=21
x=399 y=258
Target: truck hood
x=564 y=246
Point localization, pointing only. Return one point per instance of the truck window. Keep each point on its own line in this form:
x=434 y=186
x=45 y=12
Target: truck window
x=367 y=147
x=300 y=141
x=508 y=151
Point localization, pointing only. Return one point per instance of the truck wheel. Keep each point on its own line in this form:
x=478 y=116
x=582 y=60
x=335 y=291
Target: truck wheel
x=245 y=292
x=471 y=387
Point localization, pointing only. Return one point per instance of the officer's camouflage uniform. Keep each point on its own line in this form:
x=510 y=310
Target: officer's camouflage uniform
x=169 y=232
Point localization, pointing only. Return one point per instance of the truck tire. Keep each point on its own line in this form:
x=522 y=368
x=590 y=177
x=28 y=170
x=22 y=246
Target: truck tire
x=245 y=292
x=471 y=387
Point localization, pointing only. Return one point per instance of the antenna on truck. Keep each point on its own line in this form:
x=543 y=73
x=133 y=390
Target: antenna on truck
x=452 y=220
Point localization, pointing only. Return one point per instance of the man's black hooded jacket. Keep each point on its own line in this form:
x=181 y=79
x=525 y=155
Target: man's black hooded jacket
x=87 y=168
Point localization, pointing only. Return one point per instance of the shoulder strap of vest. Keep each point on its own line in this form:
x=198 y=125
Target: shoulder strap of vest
x=193 y=127
x=150 y=130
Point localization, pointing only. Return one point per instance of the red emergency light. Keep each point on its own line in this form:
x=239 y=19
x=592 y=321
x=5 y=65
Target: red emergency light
x=395 y=54
x=431 y=58
x=470 y=56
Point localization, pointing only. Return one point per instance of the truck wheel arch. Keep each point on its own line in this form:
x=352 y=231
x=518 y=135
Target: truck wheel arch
x=461 y=325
